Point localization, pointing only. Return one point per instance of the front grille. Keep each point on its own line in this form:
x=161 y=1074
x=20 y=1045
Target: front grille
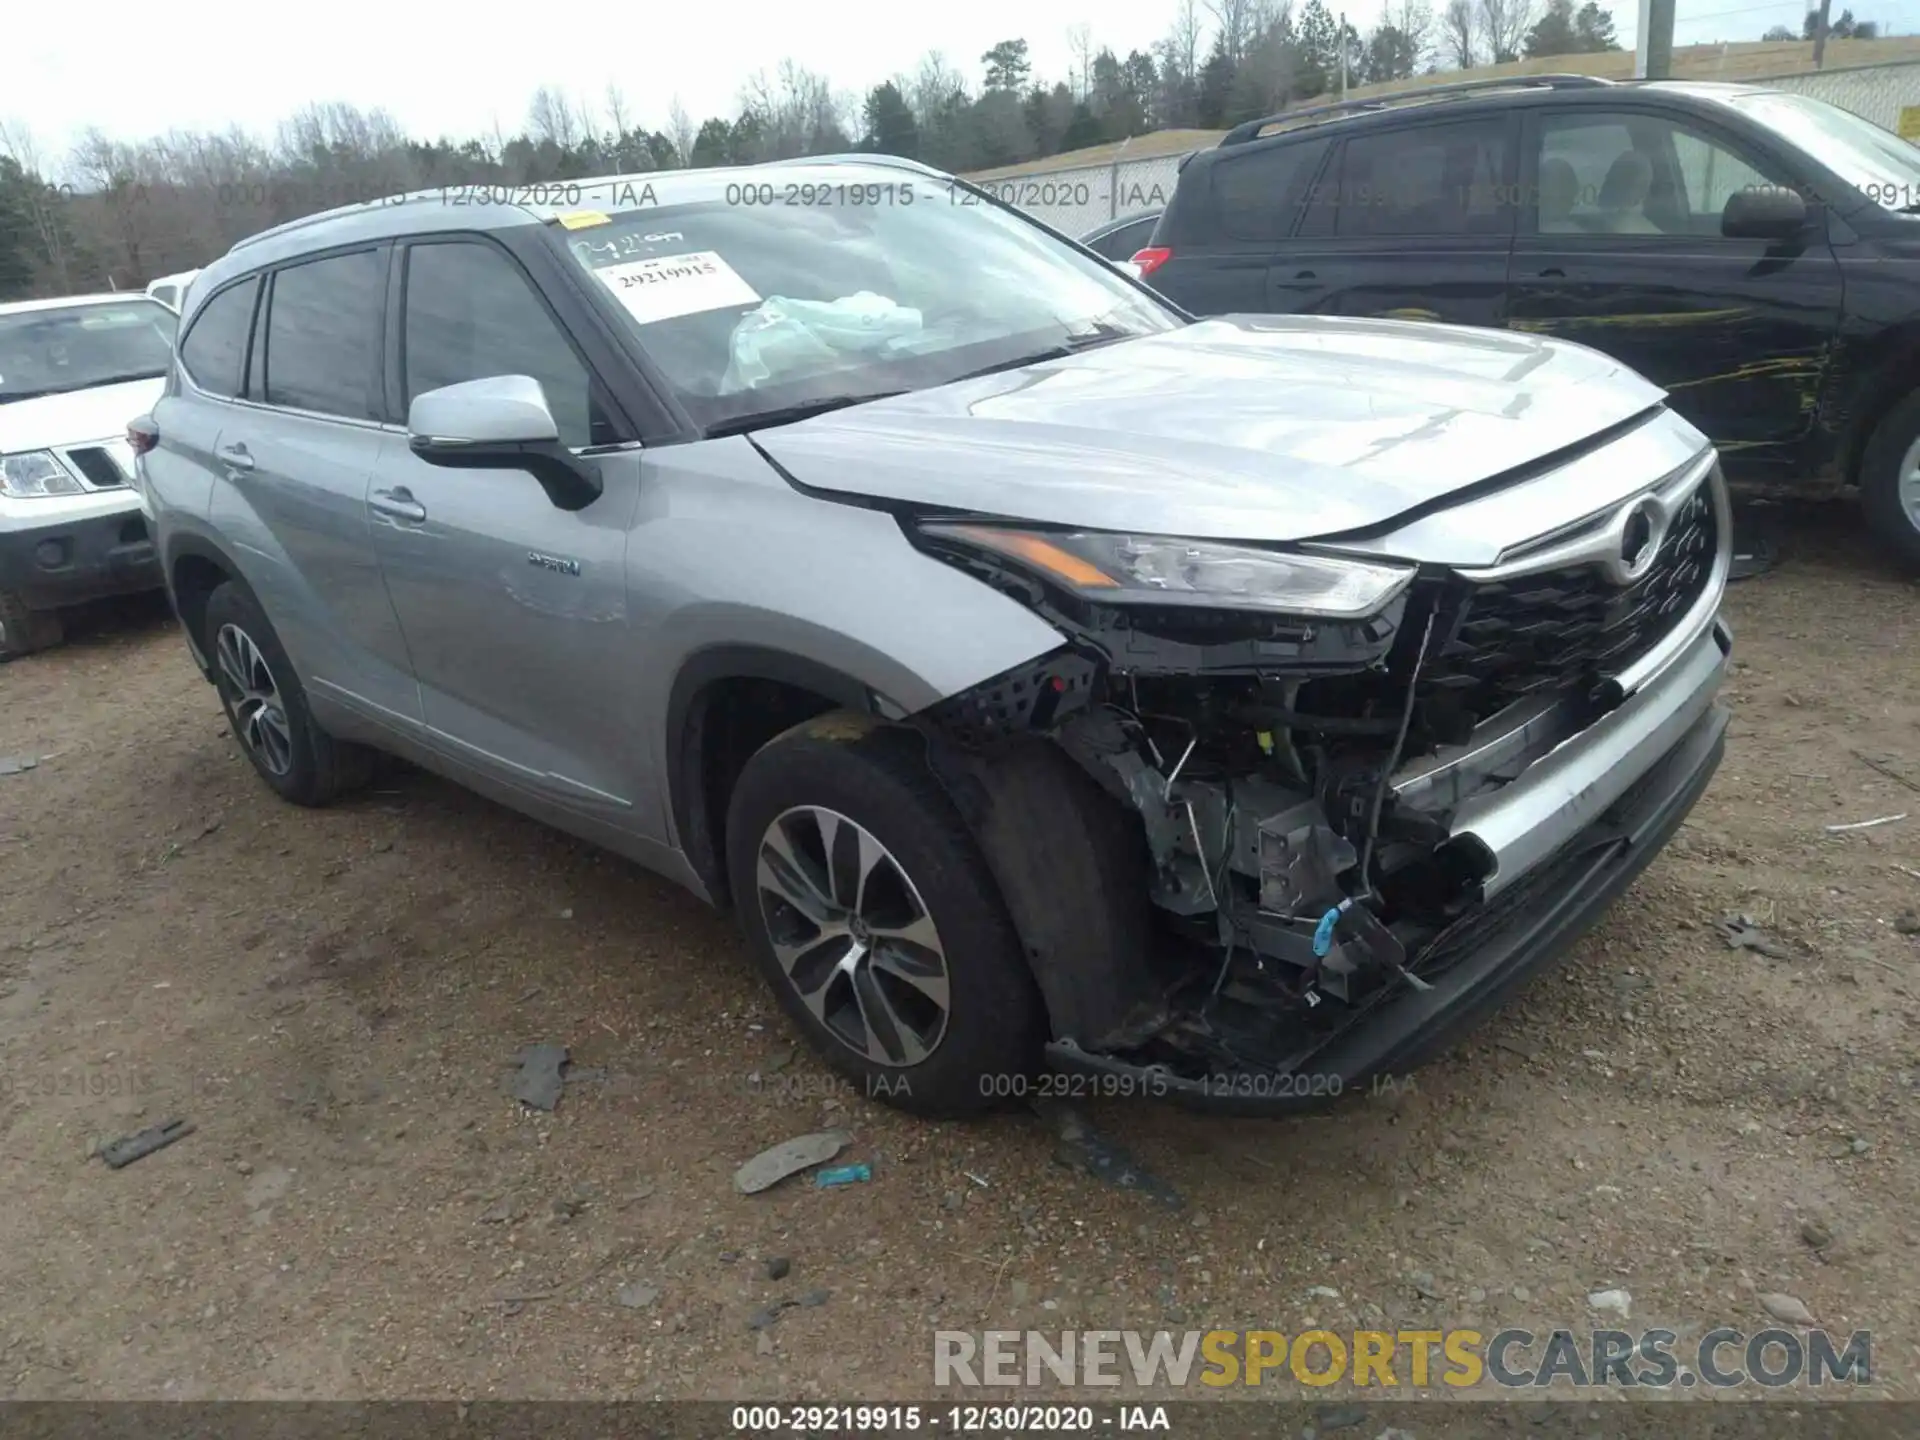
x=98 y=466
x=1565 y=629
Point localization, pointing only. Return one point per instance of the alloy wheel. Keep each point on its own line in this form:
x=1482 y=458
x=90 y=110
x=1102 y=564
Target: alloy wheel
x=853 y=936
x=253 y=698
x=1909 y=485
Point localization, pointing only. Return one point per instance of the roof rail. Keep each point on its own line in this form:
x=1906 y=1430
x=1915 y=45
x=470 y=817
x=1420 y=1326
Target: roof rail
x=1253 y=129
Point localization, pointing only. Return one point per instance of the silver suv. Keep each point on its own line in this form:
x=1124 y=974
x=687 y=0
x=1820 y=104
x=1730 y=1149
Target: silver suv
x=1224 y=711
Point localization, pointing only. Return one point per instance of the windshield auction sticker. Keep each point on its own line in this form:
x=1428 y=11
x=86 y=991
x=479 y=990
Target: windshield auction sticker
x=664 y=287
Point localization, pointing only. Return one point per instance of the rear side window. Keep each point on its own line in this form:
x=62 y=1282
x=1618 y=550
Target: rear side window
x=471 y=314
x=1257 y=196
x=1435 y=180
x=323 y=332
x=215 y=347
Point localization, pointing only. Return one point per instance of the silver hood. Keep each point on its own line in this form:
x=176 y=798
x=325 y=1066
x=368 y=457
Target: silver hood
x=1246 y=427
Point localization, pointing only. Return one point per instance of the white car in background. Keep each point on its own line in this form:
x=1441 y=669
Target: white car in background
x=171 y=290
x=73 y=525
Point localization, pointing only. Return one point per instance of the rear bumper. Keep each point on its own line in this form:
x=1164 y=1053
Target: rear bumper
x=66 y=559
x=1530 y=923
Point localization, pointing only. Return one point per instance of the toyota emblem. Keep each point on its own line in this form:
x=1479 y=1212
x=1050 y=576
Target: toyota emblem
x=1637 y=532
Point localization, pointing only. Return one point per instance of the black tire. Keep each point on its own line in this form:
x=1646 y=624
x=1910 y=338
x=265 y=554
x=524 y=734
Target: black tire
x=1881 y=467
x=23 y=631
x=312 y=768
x=877 y=777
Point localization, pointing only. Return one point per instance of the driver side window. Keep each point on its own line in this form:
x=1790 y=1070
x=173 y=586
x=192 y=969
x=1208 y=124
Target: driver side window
x=471 y=314
x=1622 y=174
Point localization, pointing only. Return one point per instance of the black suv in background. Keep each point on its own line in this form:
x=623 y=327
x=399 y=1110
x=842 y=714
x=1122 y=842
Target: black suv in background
x=1750 y=250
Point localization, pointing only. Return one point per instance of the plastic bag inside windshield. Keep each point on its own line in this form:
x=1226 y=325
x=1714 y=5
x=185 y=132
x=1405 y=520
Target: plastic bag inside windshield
x=785 y=338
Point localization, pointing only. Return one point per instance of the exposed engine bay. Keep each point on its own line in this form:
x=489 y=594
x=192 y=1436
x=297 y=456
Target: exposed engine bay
x=1292 y=785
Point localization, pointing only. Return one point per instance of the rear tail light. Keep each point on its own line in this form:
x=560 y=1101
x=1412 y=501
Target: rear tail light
x=1150 y=259
x=142 y=436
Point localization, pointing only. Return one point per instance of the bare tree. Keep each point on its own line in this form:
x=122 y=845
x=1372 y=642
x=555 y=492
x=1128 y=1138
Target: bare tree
x=1414 y=19
x=1233 y=25
x=1503 y=26
x=550 y=117
x=1080 y=47
x=1458 y=33
x=795 y=111
x=681 y=130
x=617 y=111
x=1183 y=41
x=932 y=89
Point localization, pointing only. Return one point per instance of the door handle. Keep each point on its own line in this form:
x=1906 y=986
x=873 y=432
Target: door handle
x=1553 y=272
x=397 y=502
x=1306 y=275
x=236 y=456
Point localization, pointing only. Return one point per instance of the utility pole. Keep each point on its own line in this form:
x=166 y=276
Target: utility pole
x=1653 y=45
x=1820 y=36
x=1343 y=51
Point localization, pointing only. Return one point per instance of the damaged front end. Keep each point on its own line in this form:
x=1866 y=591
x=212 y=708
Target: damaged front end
x=1259 y=855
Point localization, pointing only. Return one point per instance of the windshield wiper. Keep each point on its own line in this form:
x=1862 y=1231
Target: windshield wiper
x=787 y=414
x=1095 y=335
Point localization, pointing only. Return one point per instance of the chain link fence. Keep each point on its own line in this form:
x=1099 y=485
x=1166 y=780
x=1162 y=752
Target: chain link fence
x=1074 y=201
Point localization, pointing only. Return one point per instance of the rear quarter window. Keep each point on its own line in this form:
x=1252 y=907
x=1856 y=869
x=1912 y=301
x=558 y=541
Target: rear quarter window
x=215 y=348
x=1257 y=196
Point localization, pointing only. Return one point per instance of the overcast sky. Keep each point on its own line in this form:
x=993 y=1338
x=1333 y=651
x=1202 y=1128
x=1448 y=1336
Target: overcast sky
x=459 y=72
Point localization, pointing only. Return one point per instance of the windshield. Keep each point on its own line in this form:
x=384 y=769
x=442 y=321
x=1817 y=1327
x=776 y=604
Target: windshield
x=1878 y=163
x=76 y=347
x=752 y=305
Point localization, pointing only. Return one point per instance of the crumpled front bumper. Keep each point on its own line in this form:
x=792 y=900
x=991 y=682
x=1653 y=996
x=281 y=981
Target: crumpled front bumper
x=1526 y=924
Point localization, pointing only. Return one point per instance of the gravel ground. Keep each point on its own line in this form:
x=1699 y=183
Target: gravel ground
x=336 y=999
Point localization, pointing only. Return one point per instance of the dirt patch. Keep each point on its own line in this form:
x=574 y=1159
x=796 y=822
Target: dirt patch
x=337 y=1000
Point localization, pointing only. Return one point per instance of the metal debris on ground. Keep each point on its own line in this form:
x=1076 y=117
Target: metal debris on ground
x=789 y=1157
x=129 y=1148
x=1742 y=932
x=1080 y=1147
x=636 y=1294
x=17 y=764
x=539 y=1080
x=1881 y=767
x=1866 y=824
x=844 y=1175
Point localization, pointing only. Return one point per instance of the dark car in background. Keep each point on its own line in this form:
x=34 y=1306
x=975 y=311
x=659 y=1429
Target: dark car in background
x=1753 y=252
x=1119 y=238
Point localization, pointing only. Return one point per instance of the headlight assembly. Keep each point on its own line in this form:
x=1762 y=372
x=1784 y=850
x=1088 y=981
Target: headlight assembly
x=33 y=474
x=1162 y=570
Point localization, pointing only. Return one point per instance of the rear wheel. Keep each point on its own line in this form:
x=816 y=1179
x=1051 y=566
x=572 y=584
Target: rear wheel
x=872 y=914
x=1890 y=482
x=23 y=631
x=267 y=706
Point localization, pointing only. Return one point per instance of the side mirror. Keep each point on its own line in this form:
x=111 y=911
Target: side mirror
x=500 y=423
x=1773 y=212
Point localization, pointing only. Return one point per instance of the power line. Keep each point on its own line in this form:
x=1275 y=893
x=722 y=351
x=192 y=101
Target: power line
x=1799 y=5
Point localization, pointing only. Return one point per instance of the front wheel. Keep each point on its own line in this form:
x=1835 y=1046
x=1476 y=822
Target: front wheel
x=1890 y=482
x=23 y=631
x=871 y=911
